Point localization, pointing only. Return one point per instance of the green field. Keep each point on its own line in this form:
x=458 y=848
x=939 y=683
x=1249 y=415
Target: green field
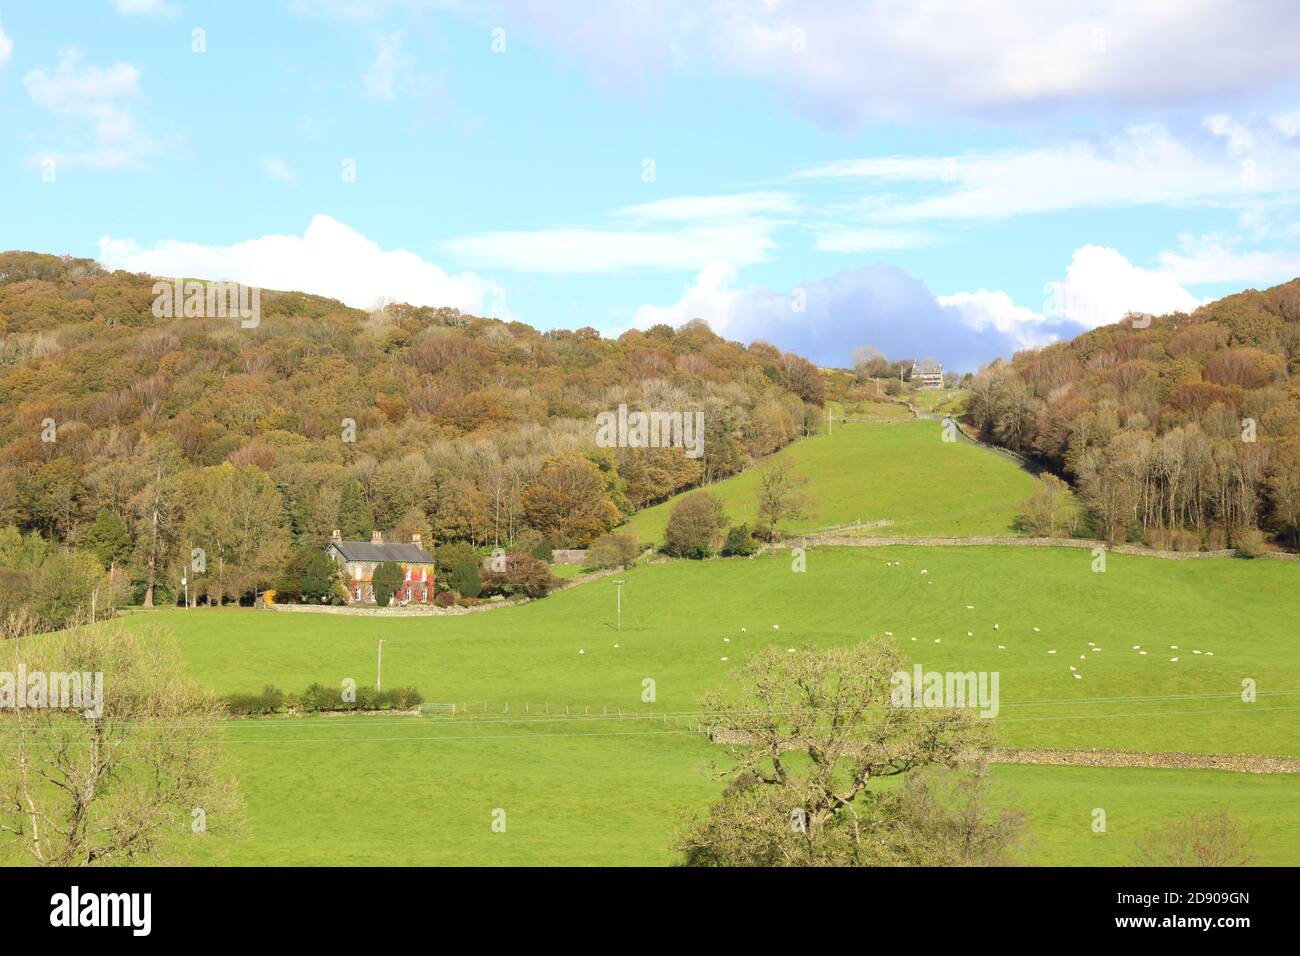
x=589 y=774
x=901 y=473
x=420 y=791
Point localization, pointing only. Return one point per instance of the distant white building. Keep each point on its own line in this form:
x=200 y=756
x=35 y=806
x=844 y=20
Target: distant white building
x=927 y=374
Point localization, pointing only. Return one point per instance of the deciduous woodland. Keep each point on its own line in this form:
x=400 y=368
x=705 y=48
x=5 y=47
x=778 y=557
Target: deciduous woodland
x=139 y=439
x=1182 y=430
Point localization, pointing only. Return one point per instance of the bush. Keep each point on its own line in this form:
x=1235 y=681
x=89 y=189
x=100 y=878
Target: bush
x=524 y=574
x=318 y=698
x=739 y=543
x=1249 y=542
x=695 y=526
x=613 y=551
x=269 y=701
x=445 y=598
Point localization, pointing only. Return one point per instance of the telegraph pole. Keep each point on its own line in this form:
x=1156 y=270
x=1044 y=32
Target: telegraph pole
x=379 y=673
x=618 y=604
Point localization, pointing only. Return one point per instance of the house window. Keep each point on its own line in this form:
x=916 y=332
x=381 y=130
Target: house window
x=356 y=594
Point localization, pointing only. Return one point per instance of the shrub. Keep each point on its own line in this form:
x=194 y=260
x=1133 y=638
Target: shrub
x=524 y=574
x=695 y=525
x=739 y=543
x=1249 y=542
x=445 y=598
x=613 y=551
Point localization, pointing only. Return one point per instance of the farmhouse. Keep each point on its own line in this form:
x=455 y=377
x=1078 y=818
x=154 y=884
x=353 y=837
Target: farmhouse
x=360 y=558
x=927 y=374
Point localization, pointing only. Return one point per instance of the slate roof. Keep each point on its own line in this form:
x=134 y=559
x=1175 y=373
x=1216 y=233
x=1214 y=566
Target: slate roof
x=368 y=551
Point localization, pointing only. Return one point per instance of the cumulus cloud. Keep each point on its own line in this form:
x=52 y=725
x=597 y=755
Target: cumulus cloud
x=1101 y=286
x=329 y=259
x=878 y=305
x=98 y=97
x=826 y=319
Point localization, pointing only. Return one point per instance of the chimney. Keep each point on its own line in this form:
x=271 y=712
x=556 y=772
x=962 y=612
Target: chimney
x=376 y=537
x=415 y=538
x=335 y=535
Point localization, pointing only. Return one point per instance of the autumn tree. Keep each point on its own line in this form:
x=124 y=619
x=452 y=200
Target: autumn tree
x=695 y=525
x=567 y=504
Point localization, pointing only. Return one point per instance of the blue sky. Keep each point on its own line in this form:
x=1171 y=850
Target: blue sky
x=926 y=178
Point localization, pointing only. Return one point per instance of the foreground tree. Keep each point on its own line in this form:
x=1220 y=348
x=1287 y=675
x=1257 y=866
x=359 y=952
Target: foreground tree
x=135 y=776
x=810 y=730
x=1211 y=838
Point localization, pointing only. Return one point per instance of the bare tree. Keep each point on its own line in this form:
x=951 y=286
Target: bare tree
x=780 y=495
x=134 y=774
x=1210 y=838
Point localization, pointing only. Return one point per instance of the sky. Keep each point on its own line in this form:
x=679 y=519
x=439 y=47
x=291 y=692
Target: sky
x=953 y=180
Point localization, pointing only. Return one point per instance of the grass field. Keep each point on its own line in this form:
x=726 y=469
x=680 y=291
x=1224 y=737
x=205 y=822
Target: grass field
x=420 y=791
x=902 y=473
x=591 y=787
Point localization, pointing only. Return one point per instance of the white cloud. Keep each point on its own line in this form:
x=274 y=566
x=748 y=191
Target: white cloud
x=1217 y=258
x=6 y=47
x=996 y=312
x=97 y=96
x=149 y=7
x=279 y=170
x=329 y=259
x=880 y=305
x=1144 y=166
x=682 y=233
x=884 y=306
x=1101 y=287
x=851 y=63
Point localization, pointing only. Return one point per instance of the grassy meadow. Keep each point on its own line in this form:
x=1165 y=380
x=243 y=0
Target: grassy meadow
x=587 y=773
x=901 y=473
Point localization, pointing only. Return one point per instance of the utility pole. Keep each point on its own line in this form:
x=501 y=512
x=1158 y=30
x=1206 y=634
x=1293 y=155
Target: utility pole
x=618 y=604
x=379 y=673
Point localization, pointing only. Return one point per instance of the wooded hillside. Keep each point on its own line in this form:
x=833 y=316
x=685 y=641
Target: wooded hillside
x=1184 y=433
x=162 y=435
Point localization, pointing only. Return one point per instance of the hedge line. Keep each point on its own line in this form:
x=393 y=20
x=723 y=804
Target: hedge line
x=318 y=698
